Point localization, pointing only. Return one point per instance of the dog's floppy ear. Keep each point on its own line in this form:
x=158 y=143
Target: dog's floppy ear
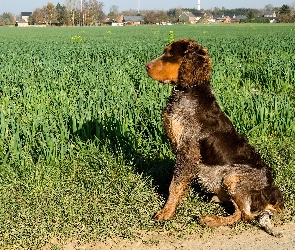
x=196 y=65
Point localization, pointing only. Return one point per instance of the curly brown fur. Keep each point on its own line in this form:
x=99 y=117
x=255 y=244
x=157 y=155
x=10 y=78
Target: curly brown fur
x=206 y=145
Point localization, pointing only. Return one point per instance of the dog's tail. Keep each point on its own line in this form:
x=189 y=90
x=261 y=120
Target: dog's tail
x=216 y=221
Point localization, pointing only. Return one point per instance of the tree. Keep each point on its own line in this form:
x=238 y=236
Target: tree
x=150 y=17
x=250 y=15
x=114 y=13
x=98 y=14
x=285 y=9
x=174 y=14
x=93 y=11
x=129 y=12
x=285 y=15
x=156 y=16
x=61 y=14
x=162 y=16
x=71 y=6
x=6 y=19
x=50 y=14
x=285 y=18
x=38 y=16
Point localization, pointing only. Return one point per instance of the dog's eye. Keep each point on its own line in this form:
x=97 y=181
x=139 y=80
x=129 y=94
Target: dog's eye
x=168 y=53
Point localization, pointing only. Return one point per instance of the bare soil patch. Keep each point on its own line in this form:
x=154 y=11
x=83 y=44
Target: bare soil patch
x=221 y=238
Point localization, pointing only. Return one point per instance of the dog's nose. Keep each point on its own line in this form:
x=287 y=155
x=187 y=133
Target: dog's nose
x=148 y=66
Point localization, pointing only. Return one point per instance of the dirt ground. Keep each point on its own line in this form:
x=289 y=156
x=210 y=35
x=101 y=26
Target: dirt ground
x=222 y=238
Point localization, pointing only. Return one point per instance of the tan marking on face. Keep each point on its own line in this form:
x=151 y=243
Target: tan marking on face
x=163 y=71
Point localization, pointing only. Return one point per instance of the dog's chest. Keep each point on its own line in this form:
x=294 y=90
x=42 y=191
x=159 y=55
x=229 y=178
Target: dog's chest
x=178 y=121
x=174 y=127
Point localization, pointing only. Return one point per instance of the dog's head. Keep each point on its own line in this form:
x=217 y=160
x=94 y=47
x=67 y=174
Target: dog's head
x=183 y=63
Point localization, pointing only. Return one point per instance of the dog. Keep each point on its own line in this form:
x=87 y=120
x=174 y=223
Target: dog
x=206 y=145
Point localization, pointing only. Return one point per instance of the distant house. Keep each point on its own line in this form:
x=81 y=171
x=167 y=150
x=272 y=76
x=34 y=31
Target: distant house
x=188 y=17
x=24 y=21
x=25 y=16
x=237 y=19
x=270 y=14
x=223 y=19
x=132 y=20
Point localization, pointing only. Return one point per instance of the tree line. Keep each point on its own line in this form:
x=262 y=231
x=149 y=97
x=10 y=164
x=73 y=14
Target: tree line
x=70 y=14
x=90 y=12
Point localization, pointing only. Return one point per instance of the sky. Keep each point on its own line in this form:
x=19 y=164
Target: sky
x=17 y=6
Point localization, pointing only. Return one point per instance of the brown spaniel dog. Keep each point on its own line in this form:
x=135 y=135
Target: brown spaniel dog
x=206 y=144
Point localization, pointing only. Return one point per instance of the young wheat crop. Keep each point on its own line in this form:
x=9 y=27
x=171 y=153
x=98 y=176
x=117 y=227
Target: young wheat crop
x=82 y=149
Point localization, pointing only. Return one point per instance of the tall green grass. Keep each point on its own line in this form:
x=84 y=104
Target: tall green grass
x=82 y=149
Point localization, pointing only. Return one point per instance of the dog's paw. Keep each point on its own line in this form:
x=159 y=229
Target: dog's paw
x=264 y=220
x=163 y=215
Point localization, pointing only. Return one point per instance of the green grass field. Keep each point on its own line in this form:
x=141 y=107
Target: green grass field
x=82 y=149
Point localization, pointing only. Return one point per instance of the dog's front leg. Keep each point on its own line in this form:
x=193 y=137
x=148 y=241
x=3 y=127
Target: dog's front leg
x=178 y=188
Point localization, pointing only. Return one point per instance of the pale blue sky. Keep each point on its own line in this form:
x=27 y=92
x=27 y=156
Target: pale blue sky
x=17 y=6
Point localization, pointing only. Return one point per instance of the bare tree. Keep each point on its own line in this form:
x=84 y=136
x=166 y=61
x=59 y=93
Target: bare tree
x=129 y=12
x=38 y=16
x=174 y=14
x=156 y=16
x=114 y=13
x=93 y=12
x=50 y=14
x=72 y=6
x=6 y=19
